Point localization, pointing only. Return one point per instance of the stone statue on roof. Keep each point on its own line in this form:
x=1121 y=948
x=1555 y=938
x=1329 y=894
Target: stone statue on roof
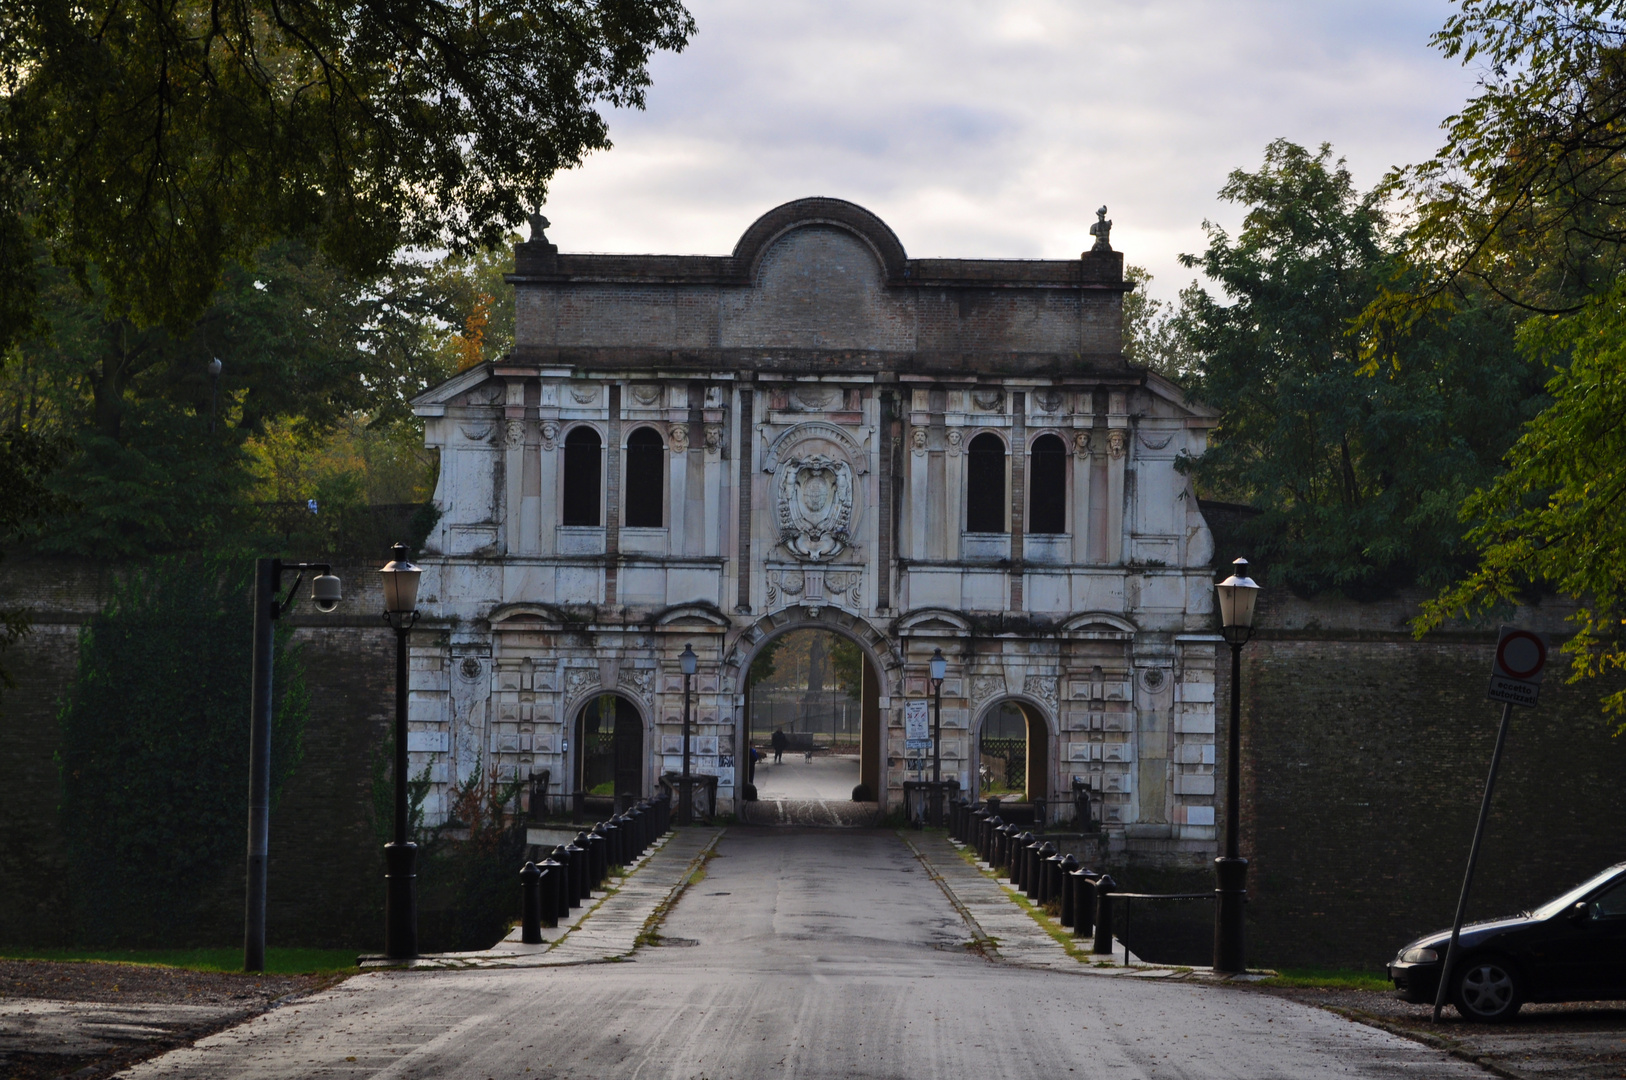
x=1102 y=231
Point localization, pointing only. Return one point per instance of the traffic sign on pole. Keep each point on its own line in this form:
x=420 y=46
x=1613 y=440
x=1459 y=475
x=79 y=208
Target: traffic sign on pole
x=1521 y=656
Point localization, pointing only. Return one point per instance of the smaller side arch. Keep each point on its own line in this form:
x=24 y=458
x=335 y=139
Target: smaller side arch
x=1042 y=745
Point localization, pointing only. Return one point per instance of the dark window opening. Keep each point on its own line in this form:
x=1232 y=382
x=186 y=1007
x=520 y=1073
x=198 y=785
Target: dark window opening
x=985 y=485
x=584 y=470
x=1047 y=486
x=646 y=480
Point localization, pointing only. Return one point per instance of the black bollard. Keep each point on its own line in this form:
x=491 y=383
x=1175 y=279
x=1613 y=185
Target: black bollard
x=1066 y=891
x=1045 y=872
x=578 y=806
x=979 y=817
x=548 y=891
x=1030 y=867
x=1104 y=888
x=612 y=841
x=586 y=847
x=1017 y=856
x=530 y=884
x=561 y=885
x=598 y=858
x=575 y=874
x=640 y=830
x=1084 y=901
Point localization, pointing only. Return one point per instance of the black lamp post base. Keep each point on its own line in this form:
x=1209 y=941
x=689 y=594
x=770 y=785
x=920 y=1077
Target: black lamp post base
x=401 y=901
x=1230 y=897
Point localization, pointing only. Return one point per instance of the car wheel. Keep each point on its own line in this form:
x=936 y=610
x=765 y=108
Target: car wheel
x=1486 y=989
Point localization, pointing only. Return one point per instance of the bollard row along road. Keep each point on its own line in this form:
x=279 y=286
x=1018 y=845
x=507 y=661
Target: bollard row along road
x=807 y=953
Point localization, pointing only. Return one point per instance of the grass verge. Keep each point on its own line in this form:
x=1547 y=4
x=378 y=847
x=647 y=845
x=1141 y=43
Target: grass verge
x=1328 y=979
x=229 y=959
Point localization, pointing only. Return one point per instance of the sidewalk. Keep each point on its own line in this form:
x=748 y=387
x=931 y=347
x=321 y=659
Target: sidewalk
x=604 y=928
x=1008 y=927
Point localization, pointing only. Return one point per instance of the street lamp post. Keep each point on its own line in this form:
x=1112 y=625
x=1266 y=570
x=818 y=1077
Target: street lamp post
x=268 y=608
x=939 y=668
x=688 y=661
x=1237 y=595
x=401 y=854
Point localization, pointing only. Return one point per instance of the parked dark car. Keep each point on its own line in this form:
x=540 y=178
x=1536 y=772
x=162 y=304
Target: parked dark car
x=1572 y=948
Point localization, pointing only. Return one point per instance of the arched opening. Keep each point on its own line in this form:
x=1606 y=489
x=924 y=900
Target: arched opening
x=644 y=487
x=819 y=690
x=584 y=471
x=609 y=748
x=1047 y=486
x=1013 y=744
x=985 y=484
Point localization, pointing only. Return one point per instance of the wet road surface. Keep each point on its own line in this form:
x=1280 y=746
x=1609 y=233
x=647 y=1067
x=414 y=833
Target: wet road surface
x=801 y=953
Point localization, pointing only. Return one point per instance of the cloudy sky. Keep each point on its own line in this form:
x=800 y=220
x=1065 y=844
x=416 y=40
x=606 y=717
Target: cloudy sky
x=994 y=128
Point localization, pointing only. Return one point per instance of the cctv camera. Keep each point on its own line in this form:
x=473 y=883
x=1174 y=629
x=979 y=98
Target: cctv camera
x=325 y=592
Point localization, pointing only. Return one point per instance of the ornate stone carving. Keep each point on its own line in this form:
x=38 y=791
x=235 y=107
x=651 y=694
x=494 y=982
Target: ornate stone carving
x=845 y=584
x=579 y=679
x=919 y=438
x=984 y=687
x=1159 y=445
x=813 y=397
x=514 y=434
x=956 y=440
x=989 y=400
x=814 y=429
x=1047 y=400
x=714 y=436
x=640 y=681
x=1081 y=442
x=470 y=668
x=585 y=394
x=791 y=582
x=476 y=430
x=646 y=394
x=550 y=434
x=1042 y=687
x=1153 y=679
x=680 y=438
x=1117 y=442
x=814 y=506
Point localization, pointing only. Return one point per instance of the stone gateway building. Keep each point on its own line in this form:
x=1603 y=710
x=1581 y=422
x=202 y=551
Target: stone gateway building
x=820 y=431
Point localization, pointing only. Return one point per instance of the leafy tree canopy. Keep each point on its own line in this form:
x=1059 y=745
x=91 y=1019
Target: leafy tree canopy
x=1528 y=197
x=151 y=146
x=1358 y=477
x=310 y=403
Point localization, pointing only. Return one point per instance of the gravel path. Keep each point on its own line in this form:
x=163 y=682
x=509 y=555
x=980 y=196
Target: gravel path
x=90 y=1020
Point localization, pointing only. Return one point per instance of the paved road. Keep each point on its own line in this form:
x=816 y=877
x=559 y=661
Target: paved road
x=807 y=954
x=827 y=776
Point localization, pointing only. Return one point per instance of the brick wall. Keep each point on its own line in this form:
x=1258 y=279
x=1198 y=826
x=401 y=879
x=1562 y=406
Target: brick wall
x=1364 y=759
x=325 y=886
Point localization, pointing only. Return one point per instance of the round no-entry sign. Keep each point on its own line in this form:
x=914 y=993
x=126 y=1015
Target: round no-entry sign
x=1520 y=655
x=1516 y=672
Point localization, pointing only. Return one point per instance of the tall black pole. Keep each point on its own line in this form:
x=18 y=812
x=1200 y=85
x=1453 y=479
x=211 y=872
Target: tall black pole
x=685 y=786
x=266 y=574
x=401 y=856
x=937 y=751
x=1473 y=858
x=1232 y=870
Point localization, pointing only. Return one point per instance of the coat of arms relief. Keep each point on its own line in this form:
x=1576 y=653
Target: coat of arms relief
x=814 y=506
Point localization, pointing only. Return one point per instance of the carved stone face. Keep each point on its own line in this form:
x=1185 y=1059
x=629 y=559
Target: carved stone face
x=920 y=439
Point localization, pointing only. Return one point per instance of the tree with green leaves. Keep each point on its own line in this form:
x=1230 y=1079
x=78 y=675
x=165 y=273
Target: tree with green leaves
x=150 y=147
x=27 y=459
x=1357 y=478
x=1528 y=199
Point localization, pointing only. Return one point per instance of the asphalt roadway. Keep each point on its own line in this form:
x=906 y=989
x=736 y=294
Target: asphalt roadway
x=807 y=954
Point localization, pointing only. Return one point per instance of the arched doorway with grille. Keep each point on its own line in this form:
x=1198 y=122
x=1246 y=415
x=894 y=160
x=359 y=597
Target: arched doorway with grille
x=1012 y=753
x=609 y=749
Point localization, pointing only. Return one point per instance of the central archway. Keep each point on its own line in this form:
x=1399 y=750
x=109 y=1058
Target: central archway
x=878 y=672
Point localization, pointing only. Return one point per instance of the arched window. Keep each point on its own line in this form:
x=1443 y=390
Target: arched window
x=1047 y=486
x=584 y=471
x=645 y=486
x=985 y=485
